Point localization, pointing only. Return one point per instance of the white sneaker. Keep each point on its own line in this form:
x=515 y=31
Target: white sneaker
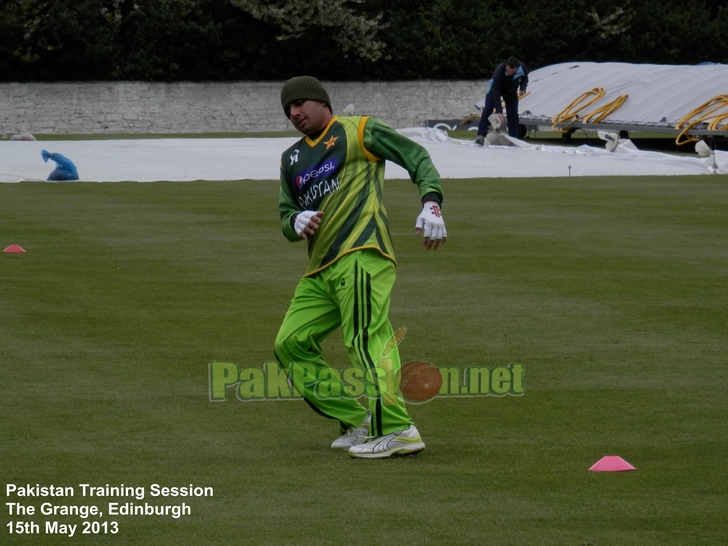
x=353 y=435
x=402 y=442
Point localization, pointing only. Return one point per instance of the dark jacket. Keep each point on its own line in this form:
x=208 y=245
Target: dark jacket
x=502 y=85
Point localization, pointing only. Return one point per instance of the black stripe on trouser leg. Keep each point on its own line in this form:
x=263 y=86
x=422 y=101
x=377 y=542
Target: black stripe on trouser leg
x=362 y=321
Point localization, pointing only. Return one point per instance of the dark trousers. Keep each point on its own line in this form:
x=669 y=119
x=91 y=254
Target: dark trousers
x=511 y=113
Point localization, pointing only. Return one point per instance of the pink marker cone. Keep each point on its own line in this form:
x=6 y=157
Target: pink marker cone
x=14 y=248
x=611 y=463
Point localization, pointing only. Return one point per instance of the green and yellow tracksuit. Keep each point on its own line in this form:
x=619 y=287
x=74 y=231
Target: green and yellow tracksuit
x=351 y=267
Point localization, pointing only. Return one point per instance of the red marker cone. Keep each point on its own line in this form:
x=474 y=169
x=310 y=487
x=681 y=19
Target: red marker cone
x=611 y=463
x=14 y=248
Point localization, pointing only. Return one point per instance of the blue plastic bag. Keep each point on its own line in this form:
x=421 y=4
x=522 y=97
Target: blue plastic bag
x=65 y=169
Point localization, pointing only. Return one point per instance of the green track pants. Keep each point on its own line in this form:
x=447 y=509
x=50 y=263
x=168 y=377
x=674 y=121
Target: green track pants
x=352 y=293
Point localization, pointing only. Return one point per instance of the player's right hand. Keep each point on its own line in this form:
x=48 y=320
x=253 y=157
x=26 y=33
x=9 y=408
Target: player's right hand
x=307 y=222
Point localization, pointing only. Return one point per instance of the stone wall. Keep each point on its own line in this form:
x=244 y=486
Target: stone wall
x=144 y=107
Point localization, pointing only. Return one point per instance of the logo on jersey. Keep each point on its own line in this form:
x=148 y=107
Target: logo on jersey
x=294 y=157
x=327 y=168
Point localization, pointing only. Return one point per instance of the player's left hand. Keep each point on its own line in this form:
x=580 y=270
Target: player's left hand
x=431 y=222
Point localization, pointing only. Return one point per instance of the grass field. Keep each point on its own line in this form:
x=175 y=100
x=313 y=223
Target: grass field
x=612 y=292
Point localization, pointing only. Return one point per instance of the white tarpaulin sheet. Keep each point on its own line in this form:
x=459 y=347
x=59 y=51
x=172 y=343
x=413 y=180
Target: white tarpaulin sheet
x=656 y=94
x=152 y=160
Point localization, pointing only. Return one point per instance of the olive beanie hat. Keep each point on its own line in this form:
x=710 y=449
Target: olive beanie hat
x=303 y=88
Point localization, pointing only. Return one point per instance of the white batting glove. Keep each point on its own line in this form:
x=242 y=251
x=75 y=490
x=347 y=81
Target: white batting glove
x=307 y=223
x=430 y=221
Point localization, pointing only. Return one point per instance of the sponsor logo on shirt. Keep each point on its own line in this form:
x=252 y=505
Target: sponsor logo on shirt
x=328 y=167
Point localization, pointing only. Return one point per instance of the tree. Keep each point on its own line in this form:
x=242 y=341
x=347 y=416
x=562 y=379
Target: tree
x=56 y=39
x=438 y=39
x=175 y=40
x=353 y=31
x=672 y=32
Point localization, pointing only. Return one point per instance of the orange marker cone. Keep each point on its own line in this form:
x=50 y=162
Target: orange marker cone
x=14 y=248
x=611 y=463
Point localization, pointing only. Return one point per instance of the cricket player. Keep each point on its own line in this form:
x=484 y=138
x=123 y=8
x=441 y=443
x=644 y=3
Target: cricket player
x=331 y=196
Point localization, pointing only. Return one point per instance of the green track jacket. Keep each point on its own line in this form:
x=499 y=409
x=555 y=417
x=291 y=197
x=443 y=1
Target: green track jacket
x=341 y=172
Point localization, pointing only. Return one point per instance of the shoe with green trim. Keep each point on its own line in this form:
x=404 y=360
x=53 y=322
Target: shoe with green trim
x=353 y=435
x=402 y=442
